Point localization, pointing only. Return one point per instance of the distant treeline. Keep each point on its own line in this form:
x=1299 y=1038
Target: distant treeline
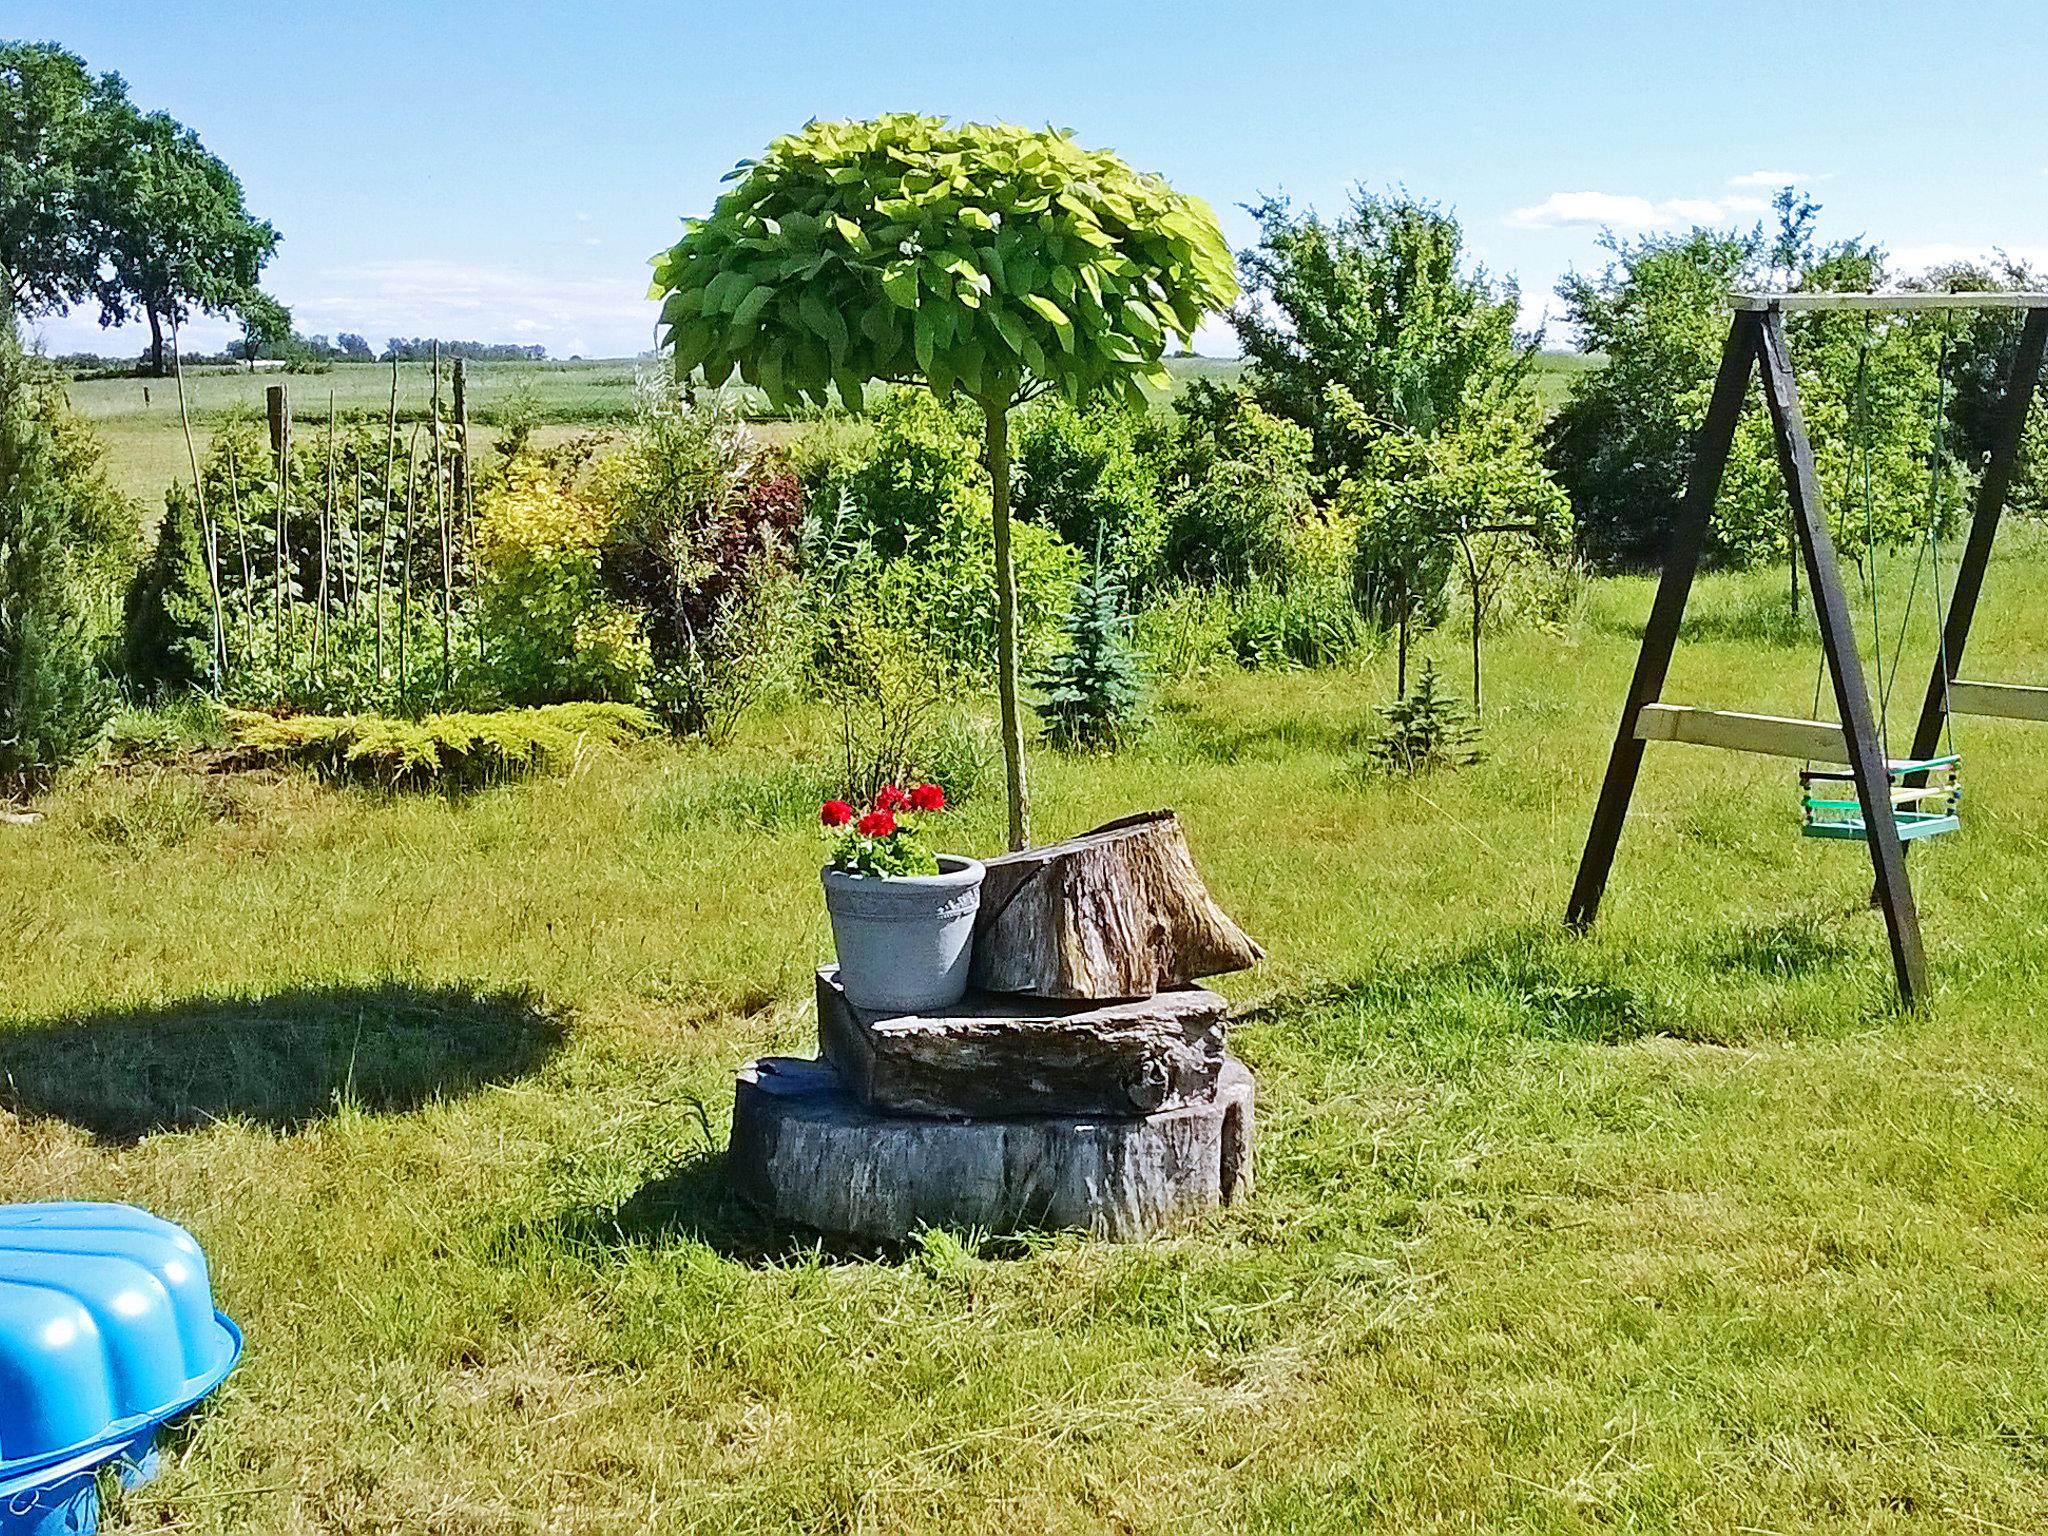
x=301 y=351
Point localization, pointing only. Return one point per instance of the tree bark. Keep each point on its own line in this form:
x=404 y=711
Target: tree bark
x=1117 y=912
x=1006 y=626
x=156 y=342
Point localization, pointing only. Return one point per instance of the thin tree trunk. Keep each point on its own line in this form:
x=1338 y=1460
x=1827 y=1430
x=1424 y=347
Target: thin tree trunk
x=465 y=505
x=384 y=515
x=281 y=445
x=156 y=341
x=326 y=535
x=1478 y=614
x=219 y=659
x=1006 y=626
x=1401 y=655
x=242 y=543
x=412 y=461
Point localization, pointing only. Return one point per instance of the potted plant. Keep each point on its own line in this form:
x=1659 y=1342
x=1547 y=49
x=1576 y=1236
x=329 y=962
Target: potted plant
x=902 y=916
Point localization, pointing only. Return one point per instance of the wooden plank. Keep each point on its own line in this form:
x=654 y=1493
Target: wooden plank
x=2009 y=428
x=1772 y=735
x=2002 y=701
x=1838 y=639
x=1888 y=302
x=1660 y=635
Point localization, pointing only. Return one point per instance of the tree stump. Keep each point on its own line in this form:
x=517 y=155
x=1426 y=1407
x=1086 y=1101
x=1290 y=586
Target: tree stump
x=1000 y=1054
x=806 y=1151
x=1116 y=912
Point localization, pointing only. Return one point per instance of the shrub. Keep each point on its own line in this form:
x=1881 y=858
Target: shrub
x=554 y=632
x=942 y=591
x=1185 y=632
x=1426 y=732
x=1085 y=474
x=1310 y=622
x=1092 y=686
x=167 y=628
x=701 y=526
x=52 y=699
x=447 y=751
x=1245 y=492
x=921 y=471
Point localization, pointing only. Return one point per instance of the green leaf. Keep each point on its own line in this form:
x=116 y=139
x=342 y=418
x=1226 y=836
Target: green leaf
x=752 y=305
x=899 y=282
x=1051 y=312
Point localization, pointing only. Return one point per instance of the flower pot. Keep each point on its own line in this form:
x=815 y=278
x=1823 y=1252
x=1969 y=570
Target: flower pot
x=904 y=941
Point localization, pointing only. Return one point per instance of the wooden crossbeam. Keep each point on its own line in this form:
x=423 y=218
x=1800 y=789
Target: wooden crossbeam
x=1889 y=302
x=2004 y=701
x=1773 y=735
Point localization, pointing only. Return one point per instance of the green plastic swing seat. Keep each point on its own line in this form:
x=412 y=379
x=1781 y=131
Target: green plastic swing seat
x=1929 y=808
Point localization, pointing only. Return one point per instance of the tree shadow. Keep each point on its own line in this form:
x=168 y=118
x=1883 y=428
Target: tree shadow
x=280 y=1060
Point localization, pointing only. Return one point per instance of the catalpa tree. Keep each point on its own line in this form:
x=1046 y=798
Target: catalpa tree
x=987 y=260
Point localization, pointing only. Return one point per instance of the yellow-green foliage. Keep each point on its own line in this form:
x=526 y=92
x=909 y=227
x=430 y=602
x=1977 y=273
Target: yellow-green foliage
x=555 y=633
x=443 y=751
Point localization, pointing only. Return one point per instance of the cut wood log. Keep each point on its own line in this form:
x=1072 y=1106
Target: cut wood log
x=806 y=1151
x=1000 y=1054
x=1116 y=912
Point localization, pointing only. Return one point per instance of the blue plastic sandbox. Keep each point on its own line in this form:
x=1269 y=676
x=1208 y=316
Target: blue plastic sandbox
x=107 y=1332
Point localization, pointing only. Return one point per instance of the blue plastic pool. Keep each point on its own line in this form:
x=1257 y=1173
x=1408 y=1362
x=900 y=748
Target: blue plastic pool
x=107 y=1331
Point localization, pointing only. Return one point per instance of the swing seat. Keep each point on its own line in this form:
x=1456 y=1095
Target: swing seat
x=1927 y=809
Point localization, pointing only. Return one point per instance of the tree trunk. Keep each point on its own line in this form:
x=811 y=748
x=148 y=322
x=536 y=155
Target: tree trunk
x=1006 y=626
x=156 y=342
x=1117 y=912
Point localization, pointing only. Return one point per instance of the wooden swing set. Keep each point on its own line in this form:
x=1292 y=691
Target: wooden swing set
x=1894 y=800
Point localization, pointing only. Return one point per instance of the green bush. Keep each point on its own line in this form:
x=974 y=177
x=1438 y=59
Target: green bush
x=53 y=700
x=1426 y=732
x=920 y=471
x=167 y=629
x=448 y=751
x=1086 y=474
x=555 y=634
x=1245 y=493
x=1309 y=622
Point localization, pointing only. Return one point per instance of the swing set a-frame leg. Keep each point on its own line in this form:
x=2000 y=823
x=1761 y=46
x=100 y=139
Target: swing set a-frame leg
x=1686 y=543
x=2008 y=430
x=1757 y=339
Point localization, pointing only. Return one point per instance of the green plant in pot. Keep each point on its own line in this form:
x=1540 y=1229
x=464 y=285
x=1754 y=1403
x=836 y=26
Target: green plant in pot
x=902 y=915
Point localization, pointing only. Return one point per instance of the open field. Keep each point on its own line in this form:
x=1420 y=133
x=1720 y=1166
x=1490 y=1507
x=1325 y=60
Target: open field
x=1679 y=1228
x=138 y=418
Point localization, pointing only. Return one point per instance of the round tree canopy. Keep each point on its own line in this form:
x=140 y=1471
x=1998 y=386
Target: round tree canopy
x=996 y=260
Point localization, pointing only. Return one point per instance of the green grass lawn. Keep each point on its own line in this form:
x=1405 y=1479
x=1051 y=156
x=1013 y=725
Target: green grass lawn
x=1677 y=1228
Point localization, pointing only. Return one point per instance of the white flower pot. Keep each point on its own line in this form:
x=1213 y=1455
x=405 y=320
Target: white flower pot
x=904 y=941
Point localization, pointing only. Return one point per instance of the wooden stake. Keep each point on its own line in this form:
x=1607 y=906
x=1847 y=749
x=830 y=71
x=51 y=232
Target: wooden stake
x=447 y=549
x=412 y=460
x=217 y=663
x=281 y=449
x=384 y=515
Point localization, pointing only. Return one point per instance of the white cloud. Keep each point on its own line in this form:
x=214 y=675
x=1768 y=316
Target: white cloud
x=1911 y=260
x=426 y=297
x=1772 y=179
x=1615 y=210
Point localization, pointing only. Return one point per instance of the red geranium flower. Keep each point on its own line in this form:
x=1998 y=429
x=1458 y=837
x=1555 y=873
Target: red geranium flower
x=927 y=797
x=835 y=813
x=876 y=824
x=890 y=798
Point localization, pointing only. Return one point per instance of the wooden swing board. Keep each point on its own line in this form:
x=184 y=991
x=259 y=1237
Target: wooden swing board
x=1771 y=735
x=1910 y=829
x=2002 y=701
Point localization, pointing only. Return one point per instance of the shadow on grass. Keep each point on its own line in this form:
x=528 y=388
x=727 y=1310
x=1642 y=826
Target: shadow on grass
x=697 y=1204
x=281 y=1060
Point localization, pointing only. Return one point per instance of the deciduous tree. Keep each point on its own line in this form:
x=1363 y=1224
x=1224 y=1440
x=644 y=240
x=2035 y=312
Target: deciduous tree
x=992 y=261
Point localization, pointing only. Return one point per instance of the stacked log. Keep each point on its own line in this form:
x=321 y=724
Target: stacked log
x=1084 y=1082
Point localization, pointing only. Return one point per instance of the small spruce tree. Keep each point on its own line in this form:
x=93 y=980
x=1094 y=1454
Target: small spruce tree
x=52 y=700
x=1425 y=732
x=1092 y=686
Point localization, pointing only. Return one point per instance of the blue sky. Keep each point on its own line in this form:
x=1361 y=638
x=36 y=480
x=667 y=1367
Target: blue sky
x=503 y=171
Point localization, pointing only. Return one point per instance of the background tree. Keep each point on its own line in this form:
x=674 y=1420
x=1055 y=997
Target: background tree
x=1378 y=302
x=266 y=324
x=1659 y=314
x=992 y=261
x=174 y=233
x=52 y=126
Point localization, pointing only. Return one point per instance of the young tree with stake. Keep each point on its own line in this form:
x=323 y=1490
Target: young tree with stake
x=991 y=260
